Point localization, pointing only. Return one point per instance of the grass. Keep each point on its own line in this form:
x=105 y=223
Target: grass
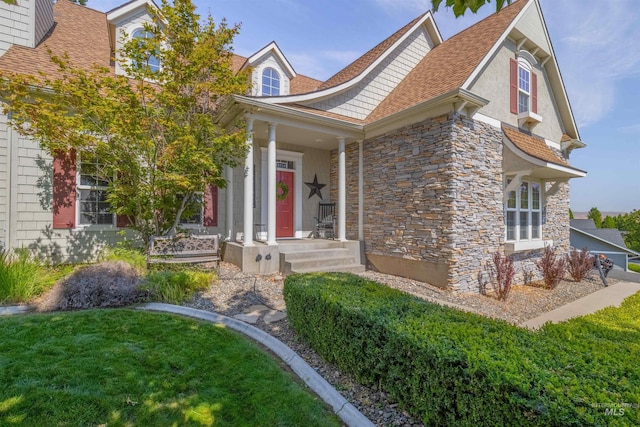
x=122 y=367
x=176 y=286
x=634 y=267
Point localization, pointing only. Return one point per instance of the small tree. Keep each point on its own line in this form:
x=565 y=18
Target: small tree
x=502 y=271
x=551 y=266
x=153 y=131
x=609 y=222
x=579 y=264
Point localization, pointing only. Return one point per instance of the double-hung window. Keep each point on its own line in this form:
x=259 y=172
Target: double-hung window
x=523 y=212
x=524 y=88
x=92 y=187
x=194 y=211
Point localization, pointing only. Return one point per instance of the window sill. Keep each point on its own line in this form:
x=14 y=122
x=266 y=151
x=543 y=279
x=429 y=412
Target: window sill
x=526 y=245
x=92 y=227
x=529 y=118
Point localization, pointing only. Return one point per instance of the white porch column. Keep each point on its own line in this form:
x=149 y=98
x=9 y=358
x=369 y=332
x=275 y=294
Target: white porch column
x=360 y=191
x=271 y=186
x=342 y=191
x=229 y=202
x=248 y=187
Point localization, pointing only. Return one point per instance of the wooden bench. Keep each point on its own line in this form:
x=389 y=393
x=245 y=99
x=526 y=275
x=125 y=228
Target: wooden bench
x=184 y=250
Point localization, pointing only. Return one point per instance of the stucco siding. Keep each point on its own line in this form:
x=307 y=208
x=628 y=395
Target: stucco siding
x=360 y=101
x=493 y=84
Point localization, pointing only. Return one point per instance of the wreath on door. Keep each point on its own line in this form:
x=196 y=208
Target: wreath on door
x=282 y=191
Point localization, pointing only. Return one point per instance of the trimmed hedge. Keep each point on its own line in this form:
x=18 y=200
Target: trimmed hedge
x=454 y=368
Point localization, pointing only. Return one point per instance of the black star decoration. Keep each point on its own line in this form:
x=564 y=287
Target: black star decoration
x=315 y=187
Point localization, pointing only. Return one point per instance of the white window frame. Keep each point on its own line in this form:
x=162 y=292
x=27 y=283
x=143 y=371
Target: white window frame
x=524 y=68
x=518 y=210
x=79 y=188
x=271 y=80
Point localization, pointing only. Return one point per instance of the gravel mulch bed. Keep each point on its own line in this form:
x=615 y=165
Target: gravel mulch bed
x=236 y=291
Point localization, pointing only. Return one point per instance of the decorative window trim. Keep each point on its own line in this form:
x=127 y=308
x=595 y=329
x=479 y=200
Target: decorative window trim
x=524 y=86
x=515 y=214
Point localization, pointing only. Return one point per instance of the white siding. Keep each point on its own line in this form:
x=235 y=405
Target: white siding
x=128 y=24
x=4 y=134
x=360 y=101
x=268 y=61
x=14 y=25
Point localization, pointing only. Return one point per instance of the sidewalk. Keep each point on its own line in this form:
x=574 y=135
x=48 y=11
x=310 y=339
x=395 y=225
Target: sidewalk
x=610 y=296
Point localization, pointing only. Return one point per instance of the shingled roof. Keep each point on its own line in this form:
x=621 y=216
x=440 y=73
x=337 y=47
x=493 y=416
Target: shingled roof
x=78 y=30
x=532 y=145
x=447 y=66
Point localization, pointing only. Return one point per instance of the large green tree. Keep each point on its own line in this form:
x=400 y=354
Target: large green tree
x=630 y=224
x=461 y=6
x=153 y=131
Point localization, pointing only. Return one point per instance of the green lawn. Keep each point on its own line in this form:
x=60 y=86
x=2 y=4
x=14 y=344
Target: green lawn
x=124 y=367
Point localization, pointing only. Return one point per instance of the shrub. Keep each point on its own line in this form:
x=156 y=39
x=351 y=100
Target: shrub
x=108 y=284
x=22 y=277
x=634 y=267
x=176 y=286
x=450 y=367
x=551 y=266
x=136 y=258
x=502 y=272
x=579 y=264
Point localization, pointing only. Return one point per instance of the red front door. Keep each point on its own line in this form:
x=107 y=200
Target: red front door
x=284 y=204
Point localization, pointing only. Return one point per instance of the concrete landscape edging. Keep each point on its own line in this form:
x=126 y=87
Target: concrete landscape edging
x=342 y=408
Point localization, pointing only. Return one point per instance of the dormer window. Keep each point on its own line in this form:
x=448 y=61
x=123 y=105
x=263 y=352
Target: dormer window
x=270 y=82
x=152 y=62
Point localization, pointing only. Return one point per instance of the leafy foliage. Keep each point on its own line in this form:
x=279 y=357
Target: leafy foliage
x=21 y=277
x=455 y=368
x=176 y=286
x=630 y=224
x=579 y=264
x=461 y=6
x=634 y=267
x=551 y=266
x=154 y=132
x=596 y=216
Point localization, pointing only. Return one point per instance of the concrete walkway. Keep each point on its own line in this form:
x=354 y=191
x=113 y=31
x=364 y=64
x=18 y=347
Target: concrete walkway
x=610 y=296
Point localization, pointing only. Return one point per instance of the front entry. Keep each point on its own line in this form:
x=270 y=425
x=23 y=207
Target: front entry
x=284 y=204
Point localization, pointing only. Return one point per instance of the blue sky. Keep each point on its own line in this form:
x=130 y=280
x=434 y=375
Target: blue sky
x=595 y=43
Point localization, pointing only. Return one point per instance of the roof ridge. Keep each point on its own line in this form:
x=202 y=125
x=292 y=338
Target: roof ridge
x=365 y=60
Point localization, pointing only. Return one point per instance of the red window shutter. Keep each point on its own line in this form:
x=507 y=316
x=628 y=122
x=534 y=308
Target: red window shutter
x=64 y=190
x=514 y=86
x=534 y=93
x=210 y=206
x=124 y=221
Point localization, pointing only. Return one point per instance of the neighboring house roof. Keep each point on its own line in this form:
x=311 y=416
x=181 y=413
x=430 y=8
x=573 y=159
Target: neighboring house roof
x=609 y=236
x=361 y=64
x=583 y=224
x=77 y=31
x=532 y=145
x=448 y=65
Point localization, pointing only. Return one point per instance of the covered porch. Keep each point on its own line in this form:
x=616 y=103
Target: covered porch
x=272 y=200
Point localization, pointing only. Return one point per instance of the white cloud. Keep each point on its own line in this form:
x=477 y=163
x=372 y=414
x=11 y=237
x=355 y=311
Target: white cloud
x=632 y=129
x=595 y=45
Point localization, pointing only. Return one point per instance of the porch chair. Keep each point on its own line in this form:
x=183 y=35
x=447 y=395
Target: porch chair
x=326 y=221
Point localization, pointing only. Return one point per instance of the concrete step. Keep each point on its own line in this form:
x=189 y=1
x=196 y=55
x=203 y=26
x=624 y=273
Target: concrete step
x=348 y=268
x=309 y=245
x=318 y=262
x=322 y=253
